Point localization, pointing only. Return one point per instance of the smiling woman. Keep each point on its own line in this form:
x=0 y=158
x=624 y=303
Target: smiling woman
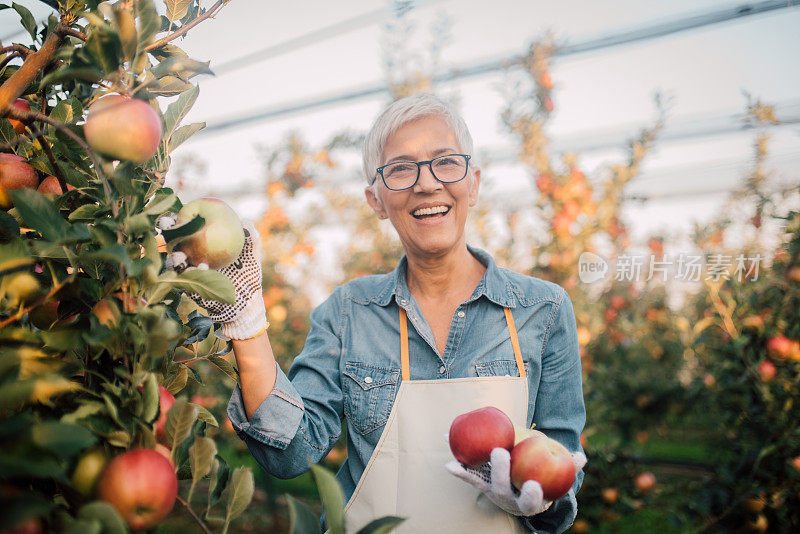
x=479 y=336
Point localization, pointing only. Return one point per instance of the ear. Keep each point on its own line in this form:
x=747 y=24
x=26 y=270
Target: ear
x=375 y=203
x=475 y=186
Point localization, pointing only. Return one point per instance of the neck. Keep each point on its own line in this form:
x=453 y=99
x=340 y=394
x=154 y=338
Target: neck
x=451 y=275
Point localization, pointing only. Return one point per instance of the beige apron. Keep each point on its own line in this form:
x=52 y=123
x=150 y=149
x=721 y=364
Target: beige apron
x=405 y=475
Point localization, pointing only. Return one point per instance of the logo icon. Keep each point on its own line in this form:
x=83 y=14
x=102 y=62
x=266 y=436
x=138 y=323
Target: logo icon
x=591 y=267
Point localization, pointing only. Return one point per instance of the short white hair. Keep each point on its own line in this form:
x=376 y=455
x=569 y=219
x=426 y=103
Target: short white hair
x=400 y=113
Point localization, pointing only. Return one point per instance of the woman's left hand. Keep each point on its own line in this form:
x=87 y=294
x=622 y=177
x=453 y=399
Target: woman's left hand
x=494 y=480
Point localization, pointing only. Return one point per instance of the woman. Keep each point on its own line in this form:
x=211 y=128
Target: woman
x=479 y=335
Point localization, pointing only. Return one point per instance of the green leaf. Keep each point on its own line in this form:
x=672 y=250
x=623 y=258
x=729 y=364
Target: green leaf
x=87 y=212
x=180 y=419
x=84 y=410
x=177 y=232
x=201 y=458
x=209 y=284
x=104 y=46
x=182 y=134
x=9 y=229
x=28 y=22
x=182 y=67
x=176 y=9
x=178 y=110
x=168 y=50
x=206 y=416
x=383 y=525
x=7 y=133
x=150 y=399
x=225 y=366
x=177 y=381
x=301 y=519
x=161 y=204
x=83 y=73
x=63 y=439
x=105 y=514
x=332 y=497
x=39 y=213
x=149 y=23
x=241 y=493
x=220 y=473
x=116 y=254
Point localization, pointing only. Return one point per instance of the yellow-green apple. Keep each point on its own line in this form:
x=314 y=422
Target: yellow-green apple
x=15 y=173
x=546 y=461
x=20 y=103
x=779 y=347
x=20 y=287
x=142 y=486
x=123 y=128
x=221 y=238
x=645 y=482
x=474 y=434
x=87 y=471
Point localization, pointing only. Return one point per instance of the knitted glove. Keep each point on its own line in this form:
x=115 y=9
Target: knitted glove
x=493 y=479
x=247 y=316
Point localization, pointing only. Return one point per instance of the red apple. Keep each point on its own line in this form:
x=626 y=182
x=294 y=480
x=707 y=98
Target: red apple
x=22 y=104
x=219 y=241
x=796 y=463
x=123 y=128
x=767 y=370
x=51 y=186
x=779 y=347
x=15 y=173
x=546 y=461
x=473 y=435
x=645 y=482
x=165 y=452
x=142 y=486
x=617 y=302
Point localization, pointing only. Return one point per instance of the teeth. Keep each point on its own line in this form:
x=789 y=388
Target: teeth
x=431 y=211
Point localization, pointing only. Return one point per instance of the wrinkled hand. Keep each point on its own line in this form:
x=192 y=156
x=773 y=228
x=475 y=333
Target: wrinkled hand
x=493 y=479
x=247 y=315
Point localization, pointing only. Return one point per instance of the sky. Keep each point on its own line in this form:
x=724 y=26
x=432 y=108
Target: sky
x=606 y=94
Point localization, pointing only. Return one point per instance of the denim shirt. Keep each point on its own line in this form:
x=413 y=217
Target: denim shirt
x=350 y=367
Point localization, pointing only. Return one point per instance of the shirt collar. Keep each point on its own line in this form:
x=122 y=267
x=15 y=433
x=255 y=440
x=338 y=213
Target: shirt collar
x=494 y=284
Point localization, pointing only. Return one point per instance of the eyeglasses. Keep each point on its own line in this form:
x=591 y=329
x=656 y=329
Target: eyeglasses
x=400 y=175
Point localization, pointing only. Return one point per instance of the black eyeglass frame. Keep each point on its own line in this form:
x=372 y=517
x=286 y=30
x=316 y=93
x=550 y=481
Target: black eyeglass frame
x=419 y=165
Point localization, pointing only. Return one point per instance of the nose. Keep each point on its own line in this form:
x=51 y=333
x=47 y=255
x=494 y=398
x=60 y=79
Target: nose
x=427 y=182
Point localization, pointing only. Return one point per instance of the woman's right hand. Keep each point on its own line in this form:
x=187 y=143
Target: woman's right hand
x=247 y=316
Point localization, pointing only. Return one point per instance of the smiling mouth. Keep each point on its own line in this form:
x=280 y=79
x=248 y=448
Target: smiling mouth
x=430 y=213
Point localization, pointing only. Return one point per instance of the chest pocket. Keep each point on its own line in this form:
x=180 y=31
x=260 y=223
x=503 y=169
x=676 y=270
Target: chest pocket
x=369 y=395
x=500 y=368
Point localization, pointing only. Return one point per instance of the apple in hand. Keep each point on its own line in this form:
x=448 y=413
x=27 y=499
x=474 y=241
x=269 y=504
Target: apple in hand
x=221 y=239
x=474 y=434
x=142 y=486
x=546 y=461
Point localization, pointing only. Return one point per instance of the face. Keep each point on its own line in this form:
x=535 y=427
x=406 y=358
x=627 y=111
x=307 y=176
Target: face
x=421 y=235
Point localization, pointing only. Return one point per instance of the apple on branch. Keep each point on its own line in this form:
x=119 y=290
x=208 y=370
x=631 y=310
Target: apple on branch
x=123 y=128
x=220 y=240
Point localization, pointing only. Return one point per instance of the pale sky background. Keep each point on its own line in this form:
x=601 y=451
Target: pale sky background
x=602 y=94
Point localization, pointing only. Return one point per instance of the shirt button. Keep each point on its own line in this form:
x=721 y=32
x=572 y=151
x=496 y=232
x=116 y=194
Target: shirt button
x=461 y=314
x=403 y=302
x=441 y=369
x=368 y=380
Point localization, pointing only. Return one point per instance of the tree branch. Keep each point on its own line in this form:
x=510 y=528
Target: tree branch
x=186 y=27
x=34 y=64
x=9 y=58
x=75 y=33
x=194 y=515
x=24 y=51
x=62 y=182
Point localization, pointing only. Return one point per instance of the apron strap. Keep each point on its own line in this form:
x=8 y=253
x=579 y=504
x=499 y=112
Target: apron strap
x=404 y=344
x=512 y=329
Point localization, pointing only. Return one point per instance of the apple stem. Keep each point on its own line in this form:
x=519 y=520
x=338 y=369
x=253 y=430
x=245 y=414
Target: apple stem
x=194 y=515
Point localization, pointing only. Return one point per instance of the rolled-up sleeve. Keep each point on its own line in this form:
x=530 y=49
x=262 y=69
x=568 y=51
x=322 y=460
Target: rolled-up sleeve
x=560 y=411
x=300 y=420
